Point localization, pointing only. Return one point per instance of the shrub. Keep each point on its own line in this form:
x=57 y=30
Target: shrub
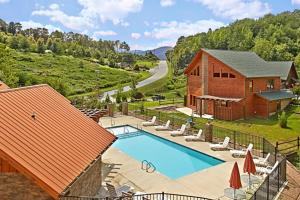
x=282 y=120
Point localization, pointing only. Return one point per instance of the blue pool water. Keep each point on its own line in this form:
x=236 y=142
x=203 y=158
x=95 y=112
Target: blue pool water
x=169 y=158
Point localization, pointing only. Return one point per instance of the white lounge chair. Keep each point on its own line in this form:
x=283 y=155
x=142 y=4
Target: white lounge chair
x=262 y=161
x=266 y=170
x=220 y=146
x=179 y=132
x=113 y=192
x=150 y=123
x=163 y=127
x=241 y=153
x=194 y=137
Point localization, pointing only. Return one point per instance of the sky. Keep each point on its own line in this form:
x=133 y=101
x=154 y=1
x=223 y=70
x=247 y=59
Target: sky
x=143 y=24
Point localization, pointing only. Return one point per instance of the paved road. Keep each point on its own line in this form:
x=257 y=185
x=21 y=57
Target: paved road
x=157 y=72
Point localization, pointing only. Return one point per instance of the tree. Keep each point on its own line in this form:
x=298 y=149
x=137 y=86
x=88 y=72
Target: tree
x=13 y=43
x=40 y=46
x=296 y=91
x=11 y=28
x=24 y=44
x=107 y=99
x=297 y=61
x=6 y=65
x=283 y=120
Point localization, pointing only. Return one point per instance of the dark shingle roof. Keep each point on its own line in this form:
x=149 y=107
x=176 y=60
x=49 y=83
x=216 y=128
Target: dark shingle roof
x=282 y=68
x=250 y=64
x=276 y=95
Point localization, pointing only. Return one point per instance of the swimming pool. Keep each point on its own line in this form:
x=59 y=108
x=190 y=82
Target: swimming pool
x=169 y=158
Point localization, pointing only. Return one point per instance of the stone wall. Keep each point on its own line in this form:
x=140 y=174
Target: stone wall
x=15 y=186
x=89 y=183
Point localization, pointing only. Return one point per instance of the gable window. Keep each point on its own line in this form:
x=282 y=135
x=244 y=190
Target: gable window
x=224 y=75
x=231 y=75
x=198 y=73
x=216 y=74
x=270 y=84
x=251 y=86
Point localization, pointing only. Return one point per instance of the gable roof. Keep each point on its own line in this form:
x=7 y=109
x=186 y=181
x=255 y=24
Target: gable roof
x=248 y=63
x=282 y=68
x=3 y=86
x=47 y=139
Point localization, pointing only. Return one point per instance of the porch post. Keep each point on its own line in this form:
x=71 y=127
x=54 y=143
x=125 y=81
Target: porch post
x=200 y=107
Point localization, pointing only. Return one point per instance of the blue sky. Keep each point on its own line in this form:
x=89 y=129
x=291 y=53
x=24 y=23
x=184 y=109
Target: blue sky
x=144 y=24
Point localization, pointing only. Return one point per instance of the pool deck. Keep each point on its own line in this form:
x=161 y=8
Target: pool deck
x=209 y=183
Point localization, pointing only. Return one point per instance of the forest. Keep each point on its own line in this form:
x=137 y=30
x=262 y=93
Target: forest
x=273 y=37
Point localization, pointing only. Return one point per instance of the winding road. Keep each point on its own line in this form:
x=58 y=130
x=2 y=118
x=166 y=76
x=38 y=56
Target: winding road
x=158 y=72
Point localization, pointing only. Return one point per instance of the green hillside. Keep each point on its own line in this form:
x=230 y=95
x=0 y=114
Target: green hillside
x=72 y=63
x=273 y=37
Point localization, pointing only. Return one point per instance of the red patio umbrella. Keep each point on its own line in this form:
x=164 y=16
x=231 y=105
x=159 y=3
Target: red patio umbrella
x=249 y=166
x=235 y=178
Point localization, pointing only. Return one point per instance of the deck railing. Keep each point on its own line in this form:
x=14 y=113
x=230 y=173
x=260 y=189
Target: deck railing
x=148 y=196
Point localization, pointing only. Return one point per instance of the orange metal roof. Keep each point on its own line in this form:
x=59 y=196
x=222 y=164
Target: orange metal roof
x=54 y=147
x=3 y=86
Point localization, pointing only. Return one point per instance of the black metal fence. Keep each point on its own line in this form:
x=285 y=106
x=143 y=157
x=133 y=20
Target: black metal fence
x=148 y=196
x=272 y=183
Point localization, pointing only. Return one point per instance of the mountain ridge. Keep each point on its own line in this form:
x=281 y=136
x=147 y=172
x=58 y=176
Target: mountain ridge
x=160 y=52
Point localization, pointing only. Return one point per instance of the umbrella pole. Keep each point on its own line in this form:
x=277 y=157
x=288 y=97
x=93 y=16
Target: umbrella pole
x=233 y=193
x=249 y=181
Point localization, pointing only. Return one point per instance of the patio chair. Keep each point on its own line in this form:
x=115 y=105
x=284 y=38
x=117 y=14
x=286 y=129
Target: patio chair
x=266 y=170
x=194 y=137
x=150 y=123
x=241 y=153
x=163 y=127
x=118 y=192
x=220 y=146
x=262 y=161
x=179 y=132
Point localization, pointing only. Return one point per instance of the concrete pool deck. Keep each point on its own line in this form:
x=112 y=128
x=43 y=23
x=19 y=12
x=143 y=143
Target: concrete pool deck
x=209 y=183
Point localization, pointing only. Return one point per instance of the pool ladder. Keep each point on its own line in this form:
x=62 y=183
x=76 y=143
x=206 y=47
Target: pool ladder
x=148 y=166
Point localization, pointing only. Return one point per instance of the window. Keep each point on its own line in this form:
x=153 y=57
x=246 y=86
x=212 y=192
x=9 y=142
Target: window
x=270 y=84
x=251 y=85
x=224 y=103
x=216 y=74
x=224 y=75
x=231 y=75
x=198 y=73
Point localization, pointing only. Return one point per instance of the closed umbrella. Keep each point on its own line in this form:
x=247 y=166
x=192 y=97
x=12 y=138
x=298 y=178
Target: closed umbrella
x=249 y=166
x=235 y=179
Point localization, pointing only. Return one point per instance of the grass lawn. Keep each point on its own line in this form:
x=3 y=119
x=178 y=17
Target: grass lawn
x=146 y=63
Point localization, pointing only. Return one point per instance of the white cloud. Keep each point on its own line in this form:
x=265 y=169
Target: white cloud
x=32 y=24
x=93 y=11
x=147 y=33
x=173 y=30
x=136 y=36
x=295 y=2
x=237 y=9
x=72 y=22
x=4 y=1
x=166 y=3
x=104 y=33
x=113 y=10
